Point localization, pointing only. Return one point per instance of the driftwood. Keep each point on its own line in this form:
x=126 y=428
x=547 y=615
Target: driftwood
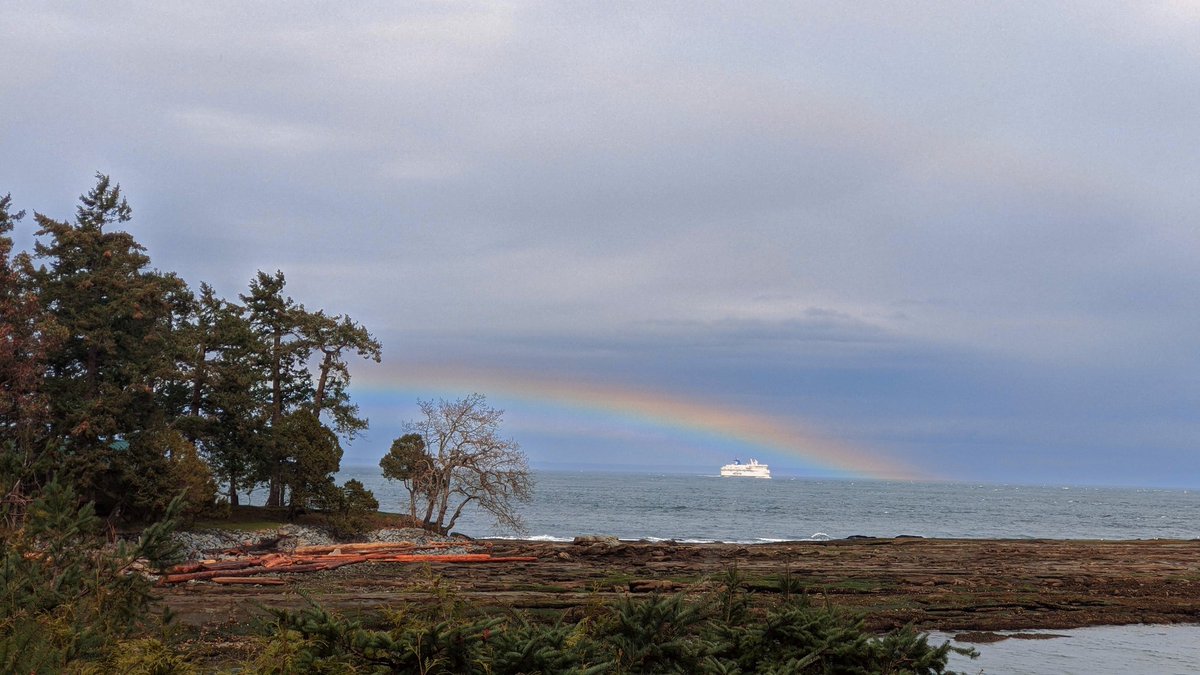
x=246 y=569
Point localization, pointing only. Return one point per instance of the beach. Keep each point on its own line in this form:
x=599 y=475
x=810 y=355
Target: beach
x=951 y=585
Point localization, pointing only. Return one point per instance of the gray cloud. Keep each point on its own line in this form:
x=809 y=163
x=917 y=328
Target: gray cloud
x=900 y=208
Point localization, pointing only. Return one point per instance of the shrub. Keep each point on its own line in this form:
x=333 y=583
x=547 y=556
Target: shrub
x=349 y=508
x=65 y=598
x=659 y=634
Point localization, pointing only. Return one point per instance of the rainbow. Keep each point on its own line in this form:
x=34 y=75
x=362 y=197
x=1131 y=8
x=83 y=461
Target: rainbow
x=758 y=431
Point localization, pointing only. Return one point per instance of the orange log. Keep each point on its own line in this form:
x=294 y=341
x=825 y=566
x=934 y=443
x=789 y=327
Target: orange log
x=345 y=548
x=275 y=560
x=303 y=567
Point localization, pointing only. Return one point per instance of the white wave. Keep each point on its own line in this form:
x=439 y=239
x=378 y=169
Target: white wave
x=536 y=537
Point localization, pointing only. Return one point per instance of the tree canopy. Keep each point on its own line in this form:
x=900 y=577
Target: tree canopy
x=454 y=457
x=118 y=377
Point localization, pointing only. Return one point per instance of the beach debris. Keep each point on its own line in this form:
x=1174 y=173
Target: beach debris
x=241 y=566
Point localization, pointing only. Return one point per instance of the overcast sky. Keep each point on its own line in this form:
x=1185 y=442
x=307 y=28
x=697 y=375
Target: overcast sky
x=957 y=236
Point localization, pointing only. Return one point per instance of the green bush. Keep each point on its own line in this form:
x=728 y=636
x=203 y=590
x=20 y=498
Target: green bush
x=715 y=634
x=65 y=597
x=349 y=508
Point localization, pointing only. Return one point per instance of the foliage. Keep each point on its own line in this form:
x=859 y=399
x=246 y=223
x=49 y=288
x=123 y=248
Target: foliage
x=65 y=596
x=146 y=656
x=332 y=337
x=350 y=509
x=198 y=495
x=224 y=416
x=107 y=362
x=106 y=378
x=657 y=634
x=289 y=336
x=464 y=461
x=308 y=454
x=26 y=333
x=407 y=462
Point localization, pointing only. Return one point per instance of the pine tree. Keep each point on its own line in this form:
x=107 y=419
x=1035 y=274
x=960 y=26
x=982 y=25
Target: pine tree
x=224 y=417
x=333 y=337
x=107 y=380
x=278 y=322
x=26 y=332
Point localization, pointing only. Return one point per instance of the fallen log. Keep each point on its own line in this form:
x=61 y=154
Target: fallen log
x=209 y=574
x=365 y=546
x=261 y=581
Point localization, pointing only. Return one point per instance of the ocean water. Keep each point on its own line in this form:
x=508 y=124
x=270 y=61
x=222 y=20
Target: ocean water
x=1101 y=650
x=747 y=510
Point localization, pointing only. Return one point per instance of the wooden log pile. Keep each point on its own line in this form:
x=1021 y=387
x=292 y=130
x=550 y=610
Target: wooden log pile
x=249 y=568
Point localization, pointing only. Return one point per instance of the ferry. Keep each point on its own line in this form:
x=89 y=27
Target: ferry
x=751 y=470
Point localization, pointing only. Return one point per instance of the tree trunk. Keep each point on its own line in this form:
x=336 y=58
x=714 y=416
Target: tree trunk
x=198 y=383
x=233 y=495
x=319 y=397
x=275 y=492
x=457 y=512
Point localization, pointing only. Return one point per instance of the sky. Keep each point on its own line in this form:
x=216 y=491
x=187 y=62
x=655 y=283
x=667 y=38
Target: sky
x=934 y=240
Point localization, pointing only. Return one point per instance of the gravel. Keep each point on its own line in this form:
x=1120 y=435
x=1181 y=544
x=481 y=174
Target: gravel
x=209 y=544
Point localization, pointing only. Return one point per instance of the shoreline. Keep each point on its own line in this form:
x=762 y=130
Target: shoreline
x=947 y=585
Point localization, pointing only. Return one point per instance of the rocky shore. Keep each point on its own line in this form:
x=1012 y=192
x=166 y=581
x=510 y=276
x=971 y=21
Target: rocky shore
x=212 y=544
x=950 y=585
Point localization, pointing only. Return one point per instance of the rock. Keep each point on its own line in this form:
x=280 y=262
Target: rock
x=604 y=540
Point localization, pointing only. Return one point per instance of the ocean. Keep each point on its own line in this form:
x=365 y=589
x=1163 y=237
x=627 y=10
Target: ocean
x=700 y=508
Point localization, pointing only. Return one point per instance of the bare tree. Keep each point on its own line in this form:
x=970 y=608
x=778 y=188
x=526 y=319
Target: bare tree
x=460 y=459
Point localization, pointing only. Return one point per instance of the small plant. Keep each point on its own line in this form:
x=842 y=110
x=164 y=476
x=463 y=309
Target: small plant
x=65 y=597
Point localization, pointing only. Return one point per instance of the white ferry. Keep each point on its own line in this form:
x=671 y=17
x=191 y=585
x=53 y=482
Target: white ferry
x=751 y=470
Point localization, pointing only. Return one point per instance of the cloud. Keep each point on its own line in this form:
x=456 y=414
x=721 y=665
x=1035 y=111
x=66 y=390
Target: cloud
x=878 y=214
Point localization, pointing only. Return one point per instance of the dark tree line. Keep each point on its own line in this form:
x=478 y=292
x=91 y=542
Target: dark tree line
x=121 y=380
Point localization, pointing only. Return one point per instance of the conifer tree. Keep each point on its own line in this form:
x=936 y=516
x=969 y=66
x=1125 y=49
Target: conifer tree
x=224 y=417
x=333 y=337
x=26 y=332
x=107 y=379
x=293 y=339
x=278 y=322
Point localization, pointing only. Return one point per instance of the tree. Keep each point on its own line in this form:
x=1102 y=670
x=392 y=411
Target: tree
x=465 y=461
x=290 y=337
x=332 y=337
x=224 y=417
x=66 y=596
x=311 y=455
x=107 y=380
x=408 y=463
x=277 y=321
x=26 y=332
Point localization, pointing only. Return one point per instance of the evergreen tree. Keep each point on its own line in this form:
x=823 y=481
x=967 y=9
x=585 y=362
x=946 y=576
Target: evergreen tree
x=106 y=381
x=291 y=340
x=278 y=322
x=26 y=332
x=333 y=337
x=310 y=454
x=224 y=416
